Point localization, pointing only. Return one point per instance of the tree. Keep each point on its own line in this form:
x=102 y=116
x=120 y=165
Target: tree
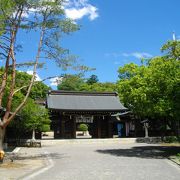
x=46 y=18
x=71 y=83
x=131 y=88
x=83 y=127
x=172 y=49
x=28 y=112
x=38 y=91
x=34 y=117
x=152 y=89
x=78 y=83
x=31 y=118
x=93 y=79
x=99 y=87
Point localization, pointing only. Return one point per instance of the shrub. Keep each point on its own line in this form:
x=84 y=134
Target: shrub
x=172 y=139
x=83 y=127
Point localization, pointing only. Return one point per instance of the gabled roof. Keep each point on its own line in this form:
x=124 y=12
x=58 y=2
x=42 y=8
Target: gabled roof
x=84 y=101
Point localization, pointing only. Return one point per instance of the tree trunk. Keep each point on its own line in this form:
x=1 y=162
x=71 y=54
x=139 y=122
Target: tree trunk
x=146 y=130
x=2 y=133
x=13 y=78
x=33 y=135
x=6 y=122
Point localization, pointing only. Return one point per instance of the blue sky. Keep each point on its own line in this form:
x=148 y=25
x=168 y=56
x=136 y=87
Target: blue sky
x=113 y=33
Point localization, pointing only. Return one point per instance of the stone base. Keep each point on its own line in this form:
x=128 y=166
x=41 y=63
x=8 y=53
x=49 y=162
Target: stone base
x=149 y=140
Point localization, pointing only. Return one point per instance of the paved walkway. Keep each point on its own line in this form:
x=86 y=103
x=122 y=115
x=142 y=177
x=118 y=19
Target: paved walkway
x=22 y=163
x=78 y=160
x=109 y=161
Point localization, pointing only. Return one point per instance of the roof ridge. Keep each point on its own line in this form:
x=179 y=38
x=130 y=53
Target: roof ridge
x=61 y=92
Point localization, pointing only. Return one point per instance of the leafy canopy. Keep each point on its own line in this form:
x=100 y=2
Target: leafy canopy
x=34 y=117
x=153 y=89
x=78 y=83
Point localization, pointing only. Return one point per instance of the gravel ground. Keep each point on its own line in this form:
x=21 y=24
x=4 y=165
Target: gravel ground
x=96 y=160
x=22 y=163
x=111 y=161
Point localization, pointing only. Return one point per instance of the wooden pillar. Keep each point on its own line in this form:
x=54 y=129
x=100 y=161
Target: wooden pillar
x=99 y=124
x=62 y=127
x=110 y=127
x=93 y=128
x=73 y=127
x=56 y=126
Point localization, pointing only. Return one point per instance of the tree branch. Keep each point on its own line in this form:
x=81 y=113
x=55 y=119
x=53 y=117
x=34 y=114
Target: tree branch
x=13 y=38
x=6 y=122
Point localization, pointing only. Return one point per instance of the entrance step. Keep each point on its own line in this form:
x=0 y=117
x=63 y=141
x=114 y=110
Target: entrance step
x=108 y=140
x=88 y=141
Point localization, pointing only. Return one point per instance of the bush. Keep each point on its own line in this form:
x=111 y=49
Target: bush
x=172 y=139
x=83 y=127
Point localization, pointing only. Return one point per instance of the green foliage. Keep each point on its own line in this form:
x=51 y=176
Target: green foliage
x=56 y=25
x=172 y=49
x=172 y=139
x=34 y=117
x=83 y=127
x=153 y=90
x=77 y=83
x=93 y=79
x=71 y=83
x=6 y=9
x=39 y=90
x=46 y=19
x=40 y=14
x=99 y=87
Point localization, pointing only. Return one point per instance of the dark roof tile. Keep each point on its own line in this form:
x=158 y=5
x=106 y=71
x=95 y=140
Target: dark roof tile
x=84 y=101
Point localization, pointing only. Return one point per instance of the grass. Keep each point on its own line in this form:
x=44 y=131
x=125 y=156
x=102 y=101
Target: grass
x=174 y=158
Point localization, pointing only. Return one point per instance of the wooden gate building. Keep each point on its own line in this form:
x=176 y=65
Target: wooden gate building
x=69 y=108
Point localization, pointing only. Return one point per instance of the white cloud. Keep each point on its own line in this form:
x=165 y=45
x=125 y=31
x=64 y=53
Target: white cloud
x=55 y=81
x=126 y=54
x=113 y=54
x=138 y=55
x=37 y=76
x=77 y=9
x=121 y=62
x=31 y=11
x=74 y=9
x=117 y=62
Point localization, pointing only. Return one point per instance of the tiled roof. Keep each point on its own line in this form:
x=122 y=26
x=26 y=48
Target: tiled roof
x=84 y=101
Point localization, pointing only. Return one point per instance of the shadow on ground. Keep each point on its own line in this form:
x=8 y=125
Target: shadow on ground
x=144 y=151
